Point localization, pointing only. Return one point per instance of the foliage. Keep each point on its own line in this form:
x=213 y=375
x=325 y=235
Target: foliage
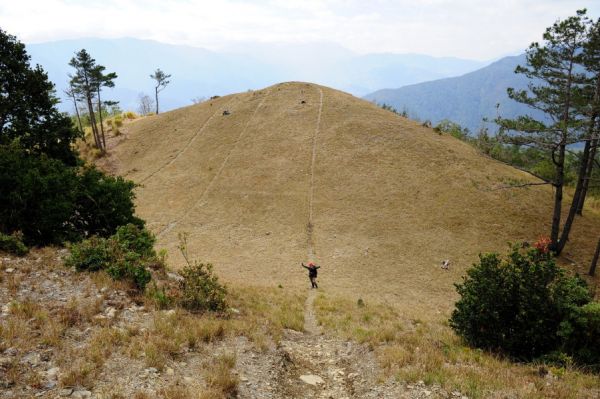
x=92 y=255
x=126 y=255
x=37 y=196
x=130 y=266
x=454 y=129
x=134 y=239
x=28 y=112
x=51 y=202
x=103 y=203
x=13 y=244
x=524 y=306
x=200 y=288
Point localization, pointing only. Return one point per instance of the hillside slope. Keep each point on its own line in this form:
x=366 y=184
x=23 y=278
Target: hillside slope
x=464 y=99
x=387 y=198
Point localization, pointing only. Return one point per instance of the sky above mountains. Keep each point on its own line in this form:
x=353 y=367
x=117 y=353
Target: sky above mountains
x=474 y=29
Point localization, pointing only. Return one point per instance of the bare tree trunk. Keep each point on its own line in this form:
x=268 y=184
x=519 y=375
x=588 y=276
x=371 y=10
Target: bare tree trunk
x=593 y=136
x=93 y=122
x=595 y=260
x=588 y=173
x=100 y=116
x=156 y=98
x=77 y=112
x=558 y=196
x=582 y=178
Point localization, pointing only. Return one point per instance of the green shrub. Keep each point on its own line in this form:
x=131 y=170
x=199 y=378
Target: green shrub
x=118 y=121
x=13 y=244
x=201 y=290
x=91 y=255
x=581 y=333
x=52 y=203
x=130 y=267
x=135 y=239
x=126 y=255
x=516 y=305
x=160 y=297
x=103 y=203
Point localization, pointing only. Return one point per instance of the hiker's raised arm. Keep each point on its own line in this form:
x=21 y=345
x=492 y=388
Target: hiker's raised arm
x=306 y=267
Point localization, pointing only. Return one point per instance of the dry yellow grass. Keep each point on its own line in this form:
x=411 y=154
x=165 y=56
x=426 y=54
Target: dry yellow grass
x=412 y=349
x=391 y=198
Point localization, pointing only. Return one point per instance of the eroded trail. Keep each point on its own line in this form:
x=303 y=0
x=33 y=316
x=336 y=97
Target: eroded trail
x=314 y=365
x=216 y=176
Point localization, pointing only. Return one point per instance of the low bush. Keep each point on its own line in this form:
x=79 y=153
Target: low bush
x=526 y=306
x=133 y=239
x=126 y=255
x=13 y=244
x=91 y=255
x=200 y=289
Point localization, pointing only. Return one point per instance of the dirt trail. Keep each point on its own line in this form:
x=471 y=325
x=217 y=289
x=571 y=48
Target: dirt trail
x=173 y=224
x=189 y=143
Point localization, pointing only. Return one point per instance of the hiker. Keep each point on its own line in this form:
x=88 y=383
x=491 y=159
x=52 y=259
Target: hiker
x=312 y=273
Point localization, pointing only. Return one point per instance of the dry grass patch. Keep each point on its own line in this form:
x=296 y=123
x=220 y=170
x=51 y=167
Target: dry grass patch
x=220 y=379
x=265 y=312
x=429 y=351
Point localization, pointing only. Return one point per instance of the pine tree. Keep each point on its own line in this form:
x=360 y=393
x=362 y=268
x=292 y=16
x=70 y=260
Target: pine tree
x=162 y=80
x=557 y=88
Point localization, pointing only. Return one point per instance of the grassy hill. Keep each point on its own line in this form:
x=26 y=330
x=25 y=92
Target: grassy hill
x=389 y=198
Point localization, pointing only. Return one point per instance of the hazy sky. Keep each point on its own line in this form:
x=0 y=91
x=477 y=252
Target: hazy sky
x=478 y=29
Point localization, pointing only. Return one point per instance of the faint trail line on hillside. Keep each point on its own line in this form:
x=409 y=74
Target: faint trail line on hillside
x=309 y=227
x=188 y=144
x=172 y=225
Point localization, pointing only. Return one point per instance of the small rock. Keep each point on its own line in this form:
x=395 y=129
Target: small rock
x=110 y=312
x=151 y=370
x=65 y=392
x=352 y=376
x=169 y=312
x=312 y=379
x=243 y=379
x=9 y=270
x=50 y=385
x=52 y=373
x=170 y=371
x=81 y=394
x=11 y=352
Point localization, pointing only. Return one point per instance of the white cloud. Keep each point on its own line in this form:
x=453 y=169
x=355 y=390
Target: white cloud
x=479 y=29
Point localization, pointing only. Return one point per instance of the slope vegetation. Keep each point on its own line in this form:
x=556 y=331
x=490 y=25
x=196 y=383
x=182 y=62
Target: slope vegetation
x=297 y=170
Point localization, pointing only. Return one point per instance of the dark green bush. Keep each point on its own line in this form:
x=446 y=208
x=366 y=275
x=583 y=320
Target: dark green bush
x=133 y=238
x=126 y=255
x=131 y=266
x=201 y=290
x=13 y=244
x=52 y=203
x=103 y=203
x=519 y=305
x=91 y=255
x=581 y=334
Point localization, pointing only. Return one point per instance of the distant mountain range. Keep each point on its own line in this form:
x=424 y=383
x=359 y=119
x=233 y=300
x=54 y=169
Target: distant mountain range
x=465 y=99
x=198 y=72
